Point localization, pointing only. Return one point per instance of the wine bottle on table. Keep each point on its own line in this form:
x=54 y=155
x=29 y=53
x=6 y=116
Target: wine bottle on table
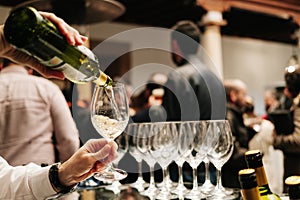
x=26 y=29
x=293 y=184
x=254 y=161
x=248 y=183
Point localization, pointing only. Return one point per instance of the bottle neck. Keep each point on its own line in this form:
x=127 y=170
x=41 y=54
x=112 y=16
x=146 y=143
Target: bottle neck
x=251 y=194
x=262 y=181
x=103 y=80
x=261 y=176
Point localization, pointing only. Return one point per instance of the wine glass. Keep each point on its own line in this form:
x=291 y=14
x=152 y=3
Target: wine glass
x=132 y=131
x=164 y=150
x=145 y=135
x=122 y=141
x=207 y=187
x=222 y=142
x=110 y=115
x=185 y=144
x=197 y=156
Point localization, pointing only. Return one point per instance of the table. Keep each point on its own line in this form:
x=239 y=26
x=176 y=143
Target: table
x=127 y=193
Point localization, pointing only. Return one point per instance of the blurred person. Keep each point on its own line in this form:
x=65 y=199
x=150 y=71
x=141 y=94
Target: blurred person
x=148 y=101
x=236 y=93
x=271 y=102
x=188 y=88
x=251 y=120
x=45 y=132
x=35 y=119
x=192 y=90
x=262 y=140
x=35 y=182
x=290 y=143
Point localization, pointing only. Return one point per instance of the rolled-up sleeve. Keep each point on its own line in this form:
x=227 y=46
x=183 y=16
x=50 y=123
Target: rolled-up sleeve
x=24 y=182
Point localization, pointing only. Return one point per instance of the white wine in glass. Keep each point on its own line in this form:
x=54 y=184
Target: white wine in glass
x=110 y=115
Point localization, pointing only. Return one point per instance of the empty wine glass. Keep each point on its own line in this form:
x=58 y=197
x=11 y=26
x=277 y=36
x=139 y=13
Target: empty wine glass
x=197 y=156
x=164 y=150
x=207 y=187
x=110 y=115
x=144 y=145
x=132 y=131
x=222 y=142
x=184 y=148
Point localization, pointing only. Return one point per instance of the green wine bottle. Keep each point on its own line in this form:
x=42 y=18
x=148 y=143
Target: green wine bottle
x=28 y=31
x=249 y=189
x=254 y=160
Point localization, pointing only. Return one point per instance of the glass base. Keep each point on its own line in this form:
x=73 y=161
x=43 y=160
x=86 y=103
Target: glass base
x=207 y=187
x=225 y=194
x=89 y=183
x=140 y=184
x=192 y=194
x=180 y=190
x=111 y=174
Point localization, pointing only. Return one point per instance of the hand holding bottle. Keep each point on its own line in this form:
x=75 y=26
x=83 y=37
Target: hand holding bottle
x=72 y=36
x=54 y=44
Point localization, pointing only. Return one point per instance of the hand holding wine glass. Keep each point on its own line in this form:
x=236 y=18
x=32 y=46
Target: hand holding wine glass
x=110 y=115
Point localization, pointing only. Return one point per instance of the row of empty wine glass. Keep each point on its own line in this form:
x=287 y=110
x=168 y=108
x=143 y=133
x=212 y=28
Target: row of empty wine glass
x=186 y=141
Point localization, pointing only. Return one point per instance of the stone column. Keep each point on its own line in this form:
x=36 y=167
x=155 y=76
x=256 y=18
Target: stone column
x=211 y=39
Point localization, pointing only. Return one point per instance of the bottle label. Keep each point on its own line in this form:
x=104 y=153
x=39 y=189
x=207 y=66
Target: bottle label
x=54 y=62
x=74 y=75
x=87 y=52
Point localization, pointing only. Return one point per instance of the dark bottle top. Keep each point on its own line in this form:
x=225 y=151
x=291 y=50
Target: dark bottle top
x=28 y=31
x=293 y=183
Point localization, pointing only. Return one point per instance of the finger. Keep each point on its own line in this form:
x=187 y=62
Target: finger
x=98 y=167
x=72 y=36
x=84 y=38
x=114 y=145
x=94 y=145
x=102 y=154
x=111 y=157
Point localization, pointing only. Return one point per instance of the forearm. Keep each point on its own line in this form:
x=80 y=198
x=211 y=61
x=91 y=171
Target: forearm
x=3 y=43
x=30 y=181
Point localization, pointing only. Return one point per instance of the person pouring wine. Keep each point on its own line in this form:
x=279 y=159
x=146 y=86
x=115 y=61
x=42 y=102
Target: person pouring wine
x=36 y=182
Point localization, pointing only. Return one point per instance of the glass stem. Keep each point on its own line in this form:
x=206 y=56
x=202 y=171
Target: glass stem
x=140 y=177
x=207 y=176
x=167 y=176
x=219 y=179
x=152 y=181
x=195 y=179
x=164 y=181
x=180 y=176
